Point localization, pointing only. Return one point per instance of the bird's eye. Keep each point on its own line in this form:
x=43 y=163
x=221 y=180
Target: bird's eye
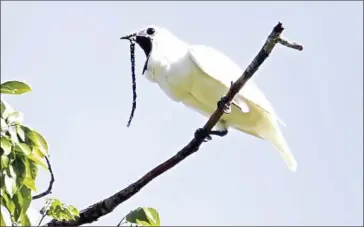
x=150 y=31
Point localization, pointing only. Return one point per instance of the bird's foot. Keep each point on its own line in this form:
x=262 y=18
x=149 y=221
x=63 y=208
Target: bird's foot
x=221 y=133
x=201 y=133
x=224 y=105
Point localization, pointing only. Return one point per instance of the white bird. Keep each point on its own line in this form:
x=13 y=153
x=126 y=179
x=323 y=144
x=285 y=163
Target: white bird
x=199 y=76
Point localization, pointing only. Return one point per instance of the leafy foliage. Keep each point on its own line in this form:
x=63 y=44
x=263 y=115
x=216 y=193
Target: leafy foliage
x=22 y=152
x=59 y=211
x=14 y=88
x=143 y=216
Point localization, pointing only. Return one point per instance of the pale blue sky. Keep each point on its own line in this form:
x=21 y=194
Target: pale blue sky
x=71 y=55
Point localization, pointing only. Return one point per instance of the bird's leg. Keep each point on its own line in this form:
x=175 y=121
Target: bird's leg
x=220 y=133
x=223 y=104
x=201 y=133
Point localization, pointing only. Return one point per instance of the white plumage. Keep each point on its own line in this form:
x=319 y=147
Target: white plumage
x=199 y=76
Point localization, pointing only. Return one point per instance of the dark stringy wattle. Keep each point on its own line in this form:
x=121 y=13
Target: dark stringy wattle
x=132 y=59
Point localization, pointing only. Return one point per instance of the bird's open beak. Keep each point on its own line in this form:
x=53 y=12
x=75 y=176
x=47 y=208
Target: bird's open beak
x=128 y=37
x=142 y=40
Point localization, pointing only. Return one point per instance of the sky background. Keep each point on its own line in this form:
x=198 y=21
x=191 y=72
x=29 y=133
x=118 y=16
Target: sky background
x=71 y=55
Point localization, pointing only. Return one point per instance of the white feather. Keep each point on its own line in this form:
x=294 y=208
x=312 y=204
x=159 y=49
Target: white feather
x=198 y=76
x=222 y=71
x=221 y=68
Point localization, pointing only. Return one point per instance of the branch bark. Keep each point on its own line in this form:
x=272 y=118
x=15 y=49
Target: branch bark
x=106 y=206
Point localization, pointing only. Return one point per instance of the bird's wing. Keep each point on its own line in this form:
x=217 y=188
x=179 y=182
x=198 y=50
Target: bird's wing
x=221 y=68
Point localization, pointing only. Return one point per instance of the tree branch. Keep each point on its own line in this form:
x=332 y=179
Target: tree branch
x=106 y=206
x=49 y=190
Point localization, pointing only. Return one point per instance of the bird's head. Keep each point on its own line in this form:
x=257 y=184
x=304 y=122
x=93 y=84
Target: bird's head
x=149 y=37
x=154 y=39
x=146 y=38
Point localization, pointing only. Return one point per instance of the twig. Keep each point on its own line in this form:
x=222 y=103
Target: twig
x=43 y=216
x=43 y=211
x=293 y=45
x=49 y=190
x=106 y=206
x=40 y=221
x=121 y=222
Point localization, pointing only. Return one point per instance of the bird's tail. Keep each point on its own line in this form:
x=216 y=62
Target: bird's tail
x=264 y=126
x=281 y=145
x=275 y=136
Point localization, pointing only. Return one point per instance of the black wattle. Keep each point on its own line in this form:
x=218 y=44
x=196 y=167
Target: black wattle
x=145 y=65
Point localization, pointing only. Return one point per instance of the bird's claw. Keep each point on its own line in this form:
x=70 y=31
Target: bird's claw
x=225 y=106
x=219 y=133
x=201 y=133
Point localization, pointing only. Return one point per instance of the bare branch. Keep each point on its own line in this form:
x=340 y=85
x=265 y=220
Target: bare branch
x=49 y=190
x=106 y=206
x=292 y=45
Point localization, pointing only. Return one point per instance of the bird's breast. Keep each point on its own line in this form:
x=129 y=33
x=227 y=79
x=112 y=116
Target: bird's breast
x=173 y=77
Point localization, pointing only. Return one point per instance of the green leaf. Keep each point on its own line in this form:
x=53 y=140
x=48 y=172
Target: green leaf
x=4 y=162
x=36 y=151
x=14 y=88
x=2 y=221
x=15 y=118
x=2 y=108
x=145 y=216
x=10 y=184
x=66 y=215
x=34 y=156
x=30 y=183
x=3 y=126
x=20 y=170
x=23 y=148
x=11 y=157
x=73 y=210
x=42 y=143
x=37 y=139
x=22 y=200
x=2 y=183
x=21 y=133
x=153 y=216
x=6 y=109
x=13 y=135
x=33 y=169
x=60 y=211
x=31 y=174
x=5 y=146
x=10 y=171
x=5 y=200
x=57 y=213
x=24 y=220
x=5 y=218
x=54 y=203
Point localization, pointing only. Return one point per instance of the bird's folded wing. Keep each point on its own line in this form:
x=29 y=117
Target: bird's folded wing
x=221 y=68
